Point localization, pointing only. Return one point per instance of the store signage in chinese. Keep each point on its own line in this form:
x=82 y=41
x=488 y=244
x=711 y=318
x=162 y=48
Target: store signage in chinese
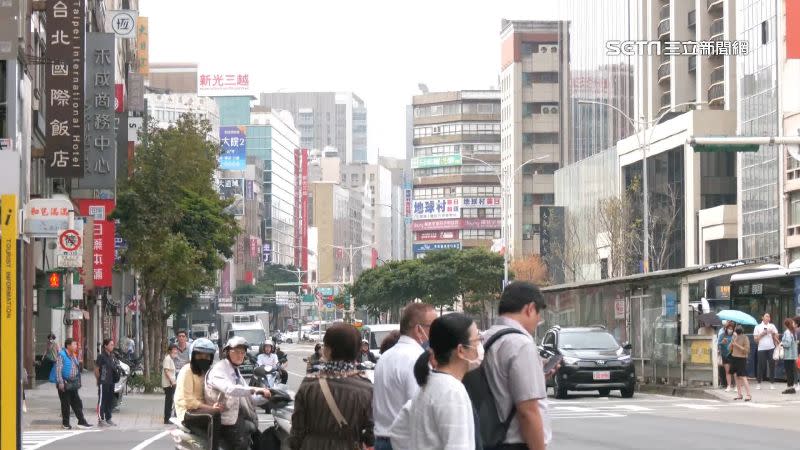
x=102 y=244
x=220 y=83
x=44 y=217
x=456 y=224
x=423 y=162
x=448 y=208
x=143 y=45
x=64 y=93
x=101 y=140
x=233 y=189
x=422 y=248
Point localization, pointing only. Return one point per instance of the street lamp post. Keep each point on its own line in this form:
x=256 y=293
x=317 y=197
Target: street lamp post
x=504 y=190
x=637 y=124
x=351 y=250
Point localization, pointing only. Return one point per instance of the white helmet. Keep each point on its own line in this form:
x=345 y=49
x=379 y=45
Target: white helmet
x=269 y=342
x=236 y=341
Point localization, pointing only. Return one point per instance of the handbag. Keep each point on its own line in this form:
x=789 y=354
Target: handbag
x=73 y=384
x=777 y=354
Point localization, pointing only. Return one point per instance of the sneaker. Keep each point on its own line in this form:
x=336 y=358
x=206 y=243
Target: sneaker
x=789 y=391
x=110 y=423
x=728 y=389
x=758 y=387
x=771 y=387
x=84 y=426
x=66 y=427
x=102 y=423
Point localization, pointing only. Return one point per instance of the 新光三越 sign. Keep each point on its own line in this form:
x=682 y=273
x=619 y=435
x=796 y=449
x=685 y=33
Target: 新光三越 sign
x=220 y=83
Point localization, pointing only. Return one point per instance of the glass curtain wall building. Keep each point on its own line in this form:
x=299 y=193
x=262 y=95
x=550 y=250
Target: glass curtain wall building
x=758 y=116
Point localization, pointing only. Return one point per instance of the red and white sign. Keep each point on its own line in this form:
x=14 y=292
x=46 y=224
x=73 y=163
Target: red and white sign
x=455 y=224
x=435 y=235
x=619 y=309
x=301 y=208
x=119 y=97
x=102 y=238
x=211 y=83
x=69 y=240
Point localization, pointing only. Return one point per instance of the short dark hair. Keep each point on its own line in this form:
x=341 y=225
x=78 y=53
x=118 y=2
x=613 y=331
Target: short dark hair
x=518 y=295
x=181 y=332
x=389 y=341
x=106 y=341
x=447 y=333
x=413 y=315
x=171 y=346
x=344 y=342
x=68 y=342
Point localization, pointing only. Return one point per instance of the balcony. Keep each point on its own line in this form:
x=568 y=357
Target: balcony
x=692 y=63
x=540 y=92
x=712 y=4
x=664 y=71
x=664 y=29
x=717 y=30
x=718 y=222
x=664 y=12
x=541 y=123
x=692 y=19
x=541 y=62
x=717 y=75
x=666 y=102
x=716 y=96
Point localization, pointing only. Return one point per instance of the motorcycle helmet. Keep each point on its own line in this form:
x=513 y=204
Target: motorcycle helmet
x=236 y=341
x=203 y=345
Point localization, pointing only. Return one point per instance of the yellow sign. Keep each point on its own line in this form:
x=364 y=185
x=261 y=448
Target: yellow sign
x=700 y=352
x=9 y=386
x=143 y=45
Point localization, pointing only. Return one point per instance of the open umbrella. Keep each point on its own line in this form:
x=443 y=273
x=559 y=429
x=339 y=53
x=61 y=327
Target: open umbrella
x=709 y=320
x=737 y=316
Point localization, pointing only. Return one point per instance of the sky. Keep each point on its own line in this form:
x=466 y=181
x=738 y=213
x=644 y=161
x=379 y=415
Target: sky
x=380 y=50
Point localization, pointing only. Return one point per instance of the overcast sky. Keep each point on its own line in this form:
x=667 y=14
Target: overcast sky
x=378 y=49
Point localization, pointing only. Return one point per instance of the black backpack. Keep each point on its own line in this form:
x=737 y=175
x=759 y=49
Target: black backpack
x=492 y=429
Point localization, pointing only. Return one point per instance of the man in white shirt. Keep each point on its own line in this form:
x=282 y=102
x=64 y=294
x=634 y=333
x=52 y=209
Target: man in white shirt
x=766 y=335
x=394 y=375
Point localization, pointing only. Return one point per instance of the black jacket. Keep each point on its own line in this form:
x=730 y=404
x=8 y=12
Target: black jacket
x=107 y=365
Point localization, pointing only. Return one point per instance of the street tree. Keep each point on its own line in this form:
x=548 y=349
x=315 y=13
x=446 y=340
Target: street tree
x=530 y=268
x=174 y=222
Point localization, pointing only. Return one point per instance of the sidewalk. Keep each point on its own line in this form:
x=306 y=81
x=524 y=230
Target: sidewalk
x=137 y=411
x=765 y=395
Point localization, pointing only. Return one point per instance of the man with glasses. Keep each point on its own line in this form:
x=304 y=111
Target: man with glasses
x=184 y=351
x=394 y=375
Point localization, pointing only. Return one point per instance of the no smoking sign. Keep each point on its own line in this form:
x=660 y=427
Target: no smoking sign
x=69 y=240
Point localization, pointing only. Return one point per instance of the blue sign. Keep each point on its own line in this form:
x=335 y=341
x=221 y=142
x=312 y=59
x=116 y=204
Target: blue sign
x=325 y=290
x=433 y=246
x=670 y=304
x=329 y=305
x=797 y=295
x=233 y=155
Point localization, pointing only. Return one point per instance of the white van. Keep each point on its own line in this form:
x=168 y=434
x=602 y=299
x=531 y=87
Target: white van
x=375 y=334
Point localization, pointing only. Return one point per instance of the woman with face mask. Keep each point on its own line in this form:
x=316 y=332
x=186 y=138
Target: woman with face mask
x=440 y=415
x=725 y=341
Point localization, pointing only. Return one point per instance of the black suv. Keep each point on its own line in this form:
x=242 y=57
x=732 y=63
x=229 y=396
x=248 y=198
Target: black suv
x=592 y=360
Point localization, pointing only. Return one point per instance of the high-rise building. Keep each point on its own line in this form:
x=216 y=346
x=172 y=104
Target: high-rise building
x=326 y=119
x=534 y=87
x=456 y=167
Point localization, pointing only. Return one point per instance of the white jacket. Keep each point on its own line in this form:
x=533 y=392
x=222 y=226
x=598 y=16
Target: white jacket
x=225 y=384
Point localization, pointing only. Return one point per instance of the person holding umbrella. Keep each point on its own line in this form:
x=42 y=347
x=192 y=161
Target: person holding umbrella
x=724 y=343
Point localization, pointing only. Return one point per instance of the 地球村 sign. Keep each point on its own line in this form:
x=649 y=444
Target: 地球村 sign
x=442 y=208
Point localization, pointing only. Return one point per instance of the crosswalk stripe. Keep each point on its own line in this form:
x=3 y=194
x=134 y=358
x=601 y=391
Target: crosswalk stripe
x=759 y=405
x=694 y=406
x=32 y=440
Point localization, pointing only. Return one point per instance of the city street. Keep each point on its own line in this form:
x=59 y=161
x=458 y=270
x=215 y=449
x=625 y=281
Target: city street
x=583 y=421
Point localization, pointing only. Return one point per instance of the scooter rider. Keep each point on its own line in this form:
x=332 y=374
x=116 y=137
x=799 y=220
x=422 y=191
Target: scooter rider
x=191 y=407
x=267 y=358
x=224 y=382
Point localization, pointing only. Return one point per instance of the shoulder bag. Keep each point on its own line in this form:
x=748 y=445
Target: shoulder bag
x=333 y=407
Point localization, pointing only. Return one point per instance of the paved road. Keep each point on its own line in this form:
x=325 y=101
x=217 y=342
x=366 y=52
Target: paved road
x=581 y=422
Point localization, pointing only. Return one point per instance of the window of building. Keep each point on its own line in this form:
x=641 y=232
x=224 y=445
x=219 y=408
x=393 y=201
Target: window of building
x=545 y=138
x=528 y=230
x=794 y=208
x=538 y=199
x=764 y=32
x=480 y=234
x=540 y=169
x=481 y=213
x=545 y=77
x=372 y=177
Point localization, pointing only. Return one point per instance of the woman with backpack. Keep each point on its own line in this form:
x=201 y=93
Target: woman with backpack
x=440 y=416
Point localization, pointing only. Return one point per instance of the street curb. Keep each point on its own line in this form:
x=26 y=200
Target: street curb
x=675 y=391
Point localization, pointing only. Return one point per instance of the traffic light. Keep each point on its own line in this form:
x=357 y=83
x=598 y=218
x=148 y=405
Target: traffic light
x=54 y=280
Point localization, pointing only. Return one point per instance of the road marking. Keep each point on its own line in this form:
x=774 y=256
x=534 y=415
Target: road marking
x=587 y=416
x=32 y=440
x=573 y=409
x=151 y=440
x=693 y=406
x=759 y=405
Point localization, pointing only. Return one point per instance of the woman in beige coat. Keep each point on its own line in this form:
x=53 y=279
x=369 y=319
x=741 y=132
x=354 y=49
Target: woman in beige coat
x=740 y=350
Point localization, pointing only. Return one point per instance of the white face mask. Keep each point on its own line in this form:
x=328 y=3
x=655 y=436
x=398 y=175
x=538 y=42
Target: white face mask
x=475 y=363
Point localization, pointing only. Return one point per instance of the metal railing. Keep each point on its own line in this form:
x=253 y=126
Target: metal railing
x=717 y=30
x=664 y=71
x=716 y=94
x=664 y=29
x=718 y=74
x=711 y=4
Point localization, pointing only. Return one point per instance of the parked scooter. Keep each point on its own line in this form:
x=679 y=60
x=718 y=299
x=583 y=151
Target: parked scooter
x=121 y=386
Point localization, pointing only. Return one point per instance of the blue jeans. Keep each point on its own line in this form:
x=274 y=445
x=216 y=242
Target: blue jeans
x=383 y=443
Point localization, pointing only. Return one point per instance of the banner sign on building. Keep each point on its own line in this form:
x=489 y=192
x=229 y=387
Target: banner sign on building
x=122 y=22
x=9 y=29
x=232 y=188
x=443 y=208
x=424 y=248
x=222 y=83
x=119 y=97
x=267 y=249
x=102 y=238
x=301 y=208
x=143 y=45
x=255 y=245
x=435 y=235
x=493 y=202
x=249 y=192
x=64 y=94
x=135 y=92
x=45 y=216
x=101 y=140
x=233 y=155
x=424 y=162
x=456 y=224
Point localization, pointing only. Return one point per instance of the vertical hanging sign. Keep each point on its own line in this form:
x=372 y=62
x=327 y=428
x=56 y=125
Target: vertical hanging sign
x=9 y=359
x=64 y=93
x=101 y=141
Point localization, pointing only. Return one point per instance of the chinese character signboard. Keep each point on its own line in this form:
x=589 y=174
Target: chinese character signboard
x=436 y=235
x=64 y=93
x=447 y=208
x=143 y=45
x=101 y=139
x=234 y=148
x=424 y=248
x=44 y=217
x=102 y=244
x=301 y=208
x=9 y=29
x=222 y=83
x=424 y=162
x=456 y=224
x=480 y=202
x=122 y=23
x=233 y=189
x=135 y=92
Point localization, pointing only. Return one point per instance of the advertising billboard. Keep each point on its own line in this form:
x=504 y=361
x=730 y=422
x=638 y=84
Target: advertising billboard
x=101 y=136
x=434 y=246
x=441 y=208
x=232 y=188
x=424 y=162
x=221 y=83
x=233 y=155
x=456 y=224
x=103 y=231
